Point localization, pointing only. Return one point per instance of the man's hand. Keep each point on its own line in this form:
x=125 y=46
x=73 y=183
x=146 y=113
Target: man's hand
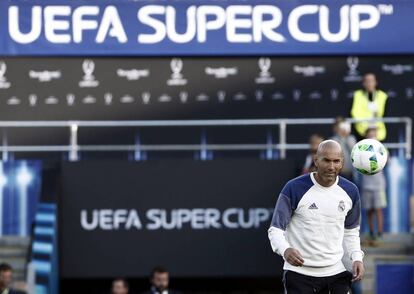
x=358 y=271
x=293 y=256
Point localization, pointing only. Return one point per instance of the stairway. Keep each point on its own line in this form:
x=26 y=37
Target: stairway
x=392 y=248
x=13 y=250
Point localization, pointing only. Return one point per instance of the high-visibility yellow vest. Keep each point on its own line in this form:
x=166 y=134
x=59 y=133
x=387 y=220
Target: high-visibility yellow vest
x=360 y=109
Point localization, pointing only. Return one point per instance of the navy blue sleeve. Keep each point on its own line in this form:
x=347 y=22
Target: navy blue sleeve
x=353 y=218
x=288 y=200
x=283 y=212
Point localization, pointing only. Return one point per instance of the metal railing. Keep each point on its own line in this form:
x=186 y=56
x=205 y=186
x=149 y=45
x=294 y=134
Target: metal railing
x=282 y=146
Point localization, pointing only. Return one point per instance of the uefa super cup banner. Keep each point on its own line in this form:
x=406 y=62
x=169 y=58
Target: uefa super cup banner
x=208 y=27
x=200 y=219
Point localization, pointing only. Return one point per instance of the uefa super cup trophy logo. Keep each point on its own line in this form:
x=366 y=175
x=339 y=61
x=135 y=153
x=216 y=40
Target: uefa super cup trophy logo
x=3 y=69
x=296 y=93
x=265 y=76
x=176 y=67
x=88 y=79
x=353 y=74
x=334 y=94
x=32 y=99
x=108 y=98
x=88 y=67
x=258 y=94
x=183 y=96
x=4 y=84
x=352 y=62
x=70 y=99
x=409 y=93
x=177 y=78
x=264 y=65
x=146 y=96
x=221 y=96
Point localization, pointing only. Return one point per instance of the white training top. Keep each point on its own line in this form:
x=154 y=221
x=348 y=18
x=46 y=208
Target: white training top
x=320 y=222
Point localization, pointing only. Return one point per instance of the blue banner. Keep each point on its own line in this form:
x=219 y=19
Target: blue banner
x=19 y=194
x=209 y=27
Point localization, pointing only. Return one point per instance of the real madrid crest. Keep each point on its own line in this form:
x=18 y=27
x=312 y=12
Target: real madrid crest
x=341 y=206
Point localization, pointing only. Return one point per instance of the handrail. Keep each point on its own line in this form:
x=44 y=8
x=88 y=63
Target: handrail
x=73 y=148
x=191 y=123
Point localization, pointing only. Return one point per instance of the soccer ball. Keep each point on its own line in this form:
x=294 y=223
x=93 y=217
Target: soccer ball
x=369 y=156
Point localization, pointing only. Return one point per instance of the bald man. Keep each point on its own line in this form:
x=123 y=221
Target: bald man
x=316 y=217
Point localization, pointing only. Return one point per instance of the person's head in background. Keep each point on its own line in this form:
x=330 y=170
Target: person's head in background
x=6 y=276
x=370 y=82
x=341 y=127
x=160 y=278
x=120 y=286
x=371 y=132
x=314 y=141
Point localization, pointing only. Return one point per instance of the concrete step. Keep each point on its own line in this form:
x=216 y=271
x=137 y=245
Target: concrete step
x=13 y=250
x=390 y=248
x=14 y=241
x=397 y=238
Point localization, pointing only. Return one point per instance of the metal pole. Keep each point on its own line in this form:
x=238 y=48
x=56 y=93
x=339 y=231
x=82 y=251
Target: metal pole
x=73 y=153
x=282 y=139
x=408 y=137
x=5 y=153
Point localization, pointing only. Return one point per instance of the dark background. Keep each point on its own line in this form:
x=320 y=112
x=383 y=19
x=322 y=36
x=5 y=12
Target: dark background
x=315 y=99
x=290 y=95
x=208 y=253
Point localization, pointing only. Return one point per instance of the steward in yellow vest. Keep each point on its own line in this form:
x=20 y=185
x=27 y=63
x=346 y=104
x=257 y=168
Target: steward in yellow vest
x=369 y=103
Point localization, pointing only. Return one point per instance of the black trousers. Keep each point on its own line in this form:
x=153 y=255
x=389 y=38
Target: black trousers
x=296 y=283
